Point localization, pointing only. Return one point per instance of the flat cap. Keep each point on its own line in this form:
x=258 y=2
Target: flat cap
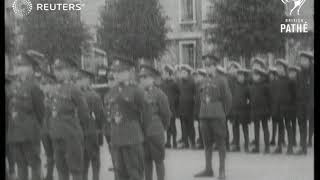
x=282 y=62
x=221 y=69
x=186 y=67
x=294 y=68
x=202 y=72
x=259 y=61
x=243 y=70
x=234 y=64
x=169 y=68
x=272 y=69
x=307 y=54
x=259 y=70
x=148 y=70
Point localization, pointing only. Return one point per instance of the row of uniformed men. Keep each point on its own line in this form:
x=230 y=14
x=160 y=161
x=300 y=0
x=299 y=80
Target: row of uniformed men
x=282 y=93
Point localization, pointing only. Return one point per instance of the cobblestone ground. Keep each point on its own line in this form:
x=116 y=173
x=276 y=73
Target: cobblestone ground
x=183 y=164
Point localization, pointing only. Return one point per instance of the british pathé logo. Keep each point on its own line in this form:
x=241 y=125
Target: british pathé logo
x=294 y=23
x=294 y=4
x=22 y=7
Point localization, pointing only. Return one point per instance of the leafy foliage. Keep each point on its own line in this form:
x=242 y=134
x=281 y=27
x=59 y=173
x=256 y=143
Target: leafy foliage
x=245 y=28
x=133 y=28
x=57 y=34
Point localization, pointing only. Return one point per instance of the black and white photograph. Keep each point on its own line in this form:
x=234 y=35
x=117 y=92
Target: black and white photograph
x=159 y=89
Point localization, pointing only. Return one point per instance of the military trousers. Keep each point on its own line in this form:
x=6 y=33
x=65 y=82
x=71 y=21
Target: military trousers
x=311 y=125
x=129 y=162
x=285 y=122
x=27 y=154
x=172 y=131
x=10 y=158
x=214 y=130
x=263 y=120
x=188 y=127
x=302 y=121
x=48 y=148
x=154 y=152
x=68 y=154
x=237 y=121
x=92 y=155
x=274 y=128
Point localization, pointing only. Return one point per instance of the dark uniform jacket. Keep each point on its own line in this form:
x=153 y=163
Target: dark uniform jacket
x=305 y=88
x=70 y=112
x=240 y=102
x=273 y=98
x=259 y=100
x=283 y=95
x=128 y=113
x=160 y=121
x=215 y=98
x=96 y=111
x=171 y=89
x=187 y=91
x=27 y=111
x=232 y=83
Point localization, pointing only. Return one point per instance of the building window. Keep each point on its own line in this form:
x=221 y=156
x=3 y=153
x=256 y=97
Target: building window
x=187 y=11
x=188 y=53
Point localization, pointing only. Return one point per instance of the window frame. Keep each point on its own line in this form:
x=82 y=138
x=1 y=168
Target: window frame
x=194 y=43
x=193 y=21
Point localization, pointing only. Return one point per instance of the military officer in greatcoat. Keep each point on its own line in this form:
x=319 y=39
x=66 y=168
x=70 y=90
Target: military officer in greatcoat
x=26 y=109
x=93 y=138
x=171 y=89
x=68 y=120
x=216 y=99
x=128 y=113
x=305 y=98
x=259 y=103
x=186 y=106
x=154 y=149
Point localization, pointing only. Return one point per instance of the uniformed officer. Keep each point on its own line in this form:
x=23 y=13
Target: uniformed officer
x=128 y=113
x=257 y=62
x=9 y=152
x=305 y=99
x=240 y=109
x=68 y=120
x=293 y=72
x=171 y=89
x=47 y=82
x=93 y=137
x=283 y=97
x=215 y=98
x=154 y=149
x=201 y=74
x=186 y=106
x=259 y=102
x=26 y=117
x=232 y=79
x=271 y=81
